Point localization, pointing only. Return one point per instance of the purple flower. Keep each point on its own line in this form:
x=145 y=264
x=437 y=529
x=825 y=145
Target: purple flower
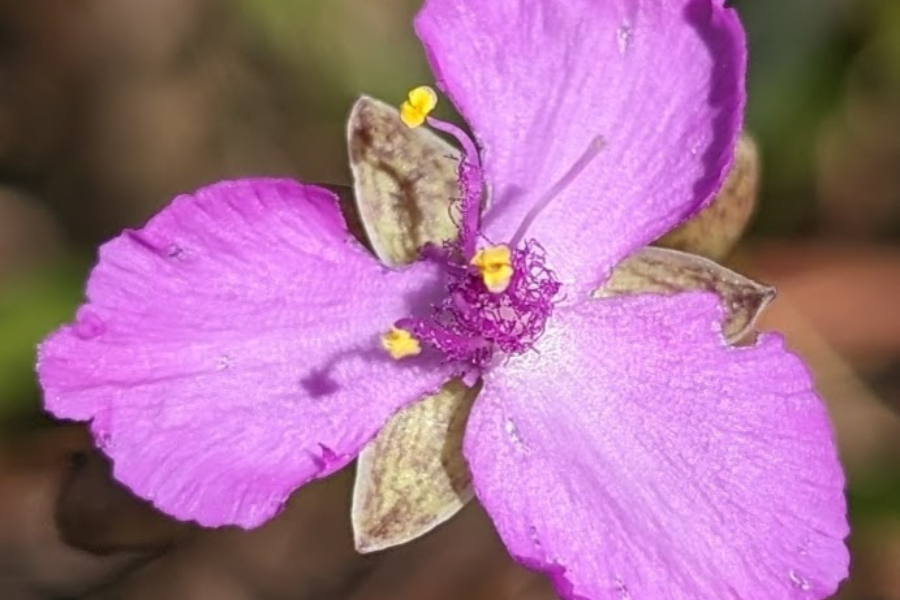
x=242 y=343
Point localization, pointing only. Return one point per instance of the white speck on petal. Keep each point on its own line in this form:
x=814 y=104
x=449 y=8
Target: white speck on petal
x=799 y=581
x=623 y=37
x=622 y=589
x=513 y=432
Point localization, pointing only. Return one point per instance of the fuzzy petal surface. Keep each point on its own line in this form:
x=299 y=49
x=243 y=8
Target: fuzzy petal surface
x=229 y=350
x=636 y=455
x=659 y=83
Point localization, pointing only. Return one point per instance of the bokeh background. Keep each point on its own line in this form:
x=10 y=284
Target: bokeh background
x=110 y=107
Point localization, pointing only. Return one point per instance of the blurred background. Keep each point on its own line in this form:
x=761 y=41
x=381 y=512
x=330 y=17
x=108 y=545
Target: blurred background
x=110 y=107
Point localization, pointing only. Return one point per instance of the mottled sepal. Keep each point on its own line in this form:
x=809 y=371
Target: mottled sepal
x=663 y=271
x=717 y=228
x=404 y=180
x=413 y=477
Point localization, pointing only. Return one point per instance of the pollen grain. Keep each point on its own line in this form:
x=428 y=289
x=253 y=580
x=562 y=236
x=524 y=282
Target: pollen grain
x=495 y=265
x=417 y=106
x=400 y=343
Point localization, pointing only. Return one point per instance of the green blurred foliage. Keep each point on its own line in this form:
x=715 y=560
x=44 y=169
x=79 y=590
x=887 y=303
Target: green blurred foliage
x=876 y=496
x=343 y=47
x=30 y=306
x=800 y=53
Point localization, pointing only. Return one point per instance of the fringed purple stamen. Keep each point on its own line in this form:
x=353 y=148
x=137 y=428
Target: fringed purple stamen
x=471 y=325
x=471 y=182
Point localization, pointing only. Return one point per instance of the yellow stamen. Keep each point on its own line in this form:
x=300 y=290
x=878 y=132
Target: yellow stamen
x=419 y=103
x=400 y=343
x=495 y=265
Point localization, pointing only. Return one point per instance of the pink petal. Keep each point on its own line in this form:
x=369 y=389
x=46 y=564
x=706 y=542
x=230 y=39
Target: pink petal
x=229 y=350
x=635 y=455
x=659 y=81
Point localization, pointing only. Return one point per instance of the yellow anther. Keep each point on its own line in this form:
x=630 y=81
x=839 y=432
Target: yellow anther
x=418 y=104
x=400 y=343
x=495 y=265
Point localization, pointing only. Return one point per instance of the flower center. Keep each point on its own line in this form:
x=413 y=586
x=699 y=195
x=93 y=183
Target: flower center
x=498 y=297
x=479 y=318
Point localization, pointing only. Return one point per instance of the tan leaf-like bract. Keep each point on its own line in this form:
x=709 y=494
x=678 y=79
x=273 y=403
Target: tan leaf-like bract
x=412 y=477
x=404 y=181
x=664 y=271
x=715 y=230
